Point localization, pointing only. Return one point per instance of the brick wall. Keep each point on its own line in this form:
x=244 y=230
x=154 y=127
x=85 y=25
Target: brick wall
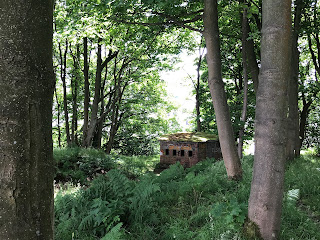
x=188 y=153
x=184 y=152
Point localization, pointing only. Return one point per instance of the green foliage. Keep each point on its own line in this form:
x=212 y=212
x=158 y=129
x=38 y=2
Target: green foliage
x=313 y=130
x=77 y=165
x=306 y=181
x=230 y=213
x=95 y=211
x=194 y=203
x=114 y=234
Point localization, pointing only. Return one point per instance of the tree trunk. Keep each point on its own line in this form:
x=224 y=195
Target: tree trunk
x=26 y=85
x=58 y=115
x=293 y=142
x=74 y=85
x=265 y=202
x=63 y=74
x=303 y=121
x=86 y=91
x=198 y=89
x=113 y=129
x=97 y=95
x=245 y=81
x=96 y=100
x=97 y=138
x=216 y=86
x=252 y=61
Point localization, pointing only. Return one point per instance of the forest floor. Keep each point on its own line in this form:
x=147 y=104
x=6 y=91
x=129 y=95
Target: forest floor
x=114 y=197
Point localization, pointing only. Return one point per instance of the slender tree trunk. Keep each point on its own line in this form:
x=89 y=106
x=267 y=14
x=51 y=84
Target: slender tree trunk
x=92 y=128
x=113 y=130
x=26 y=85
x=198 y=108
x=114 y=127
x=63 y=64
x=198 y=89
x=115 y=118
x=303 y=121
x=86 y=91
x=58 y=115
x=216 y=86
x=98 y=134
x=74 y=84
x=97 y=138
x=315 y=36
x=245 y=81
x=293 y=143
x=96 y=100
x=252 y=62
x=265 y=202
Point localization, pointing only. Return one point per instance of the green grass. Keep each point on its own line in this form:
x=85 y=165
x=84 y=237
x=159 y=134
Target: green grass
x=304 y=215
x=130 y=202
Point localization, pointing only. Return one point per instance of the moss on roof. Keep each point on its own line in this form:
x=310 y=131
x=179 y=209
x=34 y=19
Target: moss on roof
x=189 y=137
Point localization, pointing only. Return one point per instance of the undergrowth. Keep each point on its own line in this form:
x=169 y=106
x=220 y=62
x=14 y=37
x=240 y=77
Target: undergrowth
x=130 y=202
x=77 y=165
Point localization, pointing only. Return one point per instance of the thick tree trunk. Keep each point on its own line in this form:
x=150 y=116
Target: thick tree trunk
x=265 y=202
x=293 y=142
x=26 y=85
x=245 y=81
x=216 y=86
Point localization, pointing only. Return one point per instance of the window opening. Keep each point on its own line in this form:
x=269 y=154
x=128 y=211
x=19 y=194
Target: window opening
x=174 y=152
x=182 y=153
x=190 y=153
x=167 y=152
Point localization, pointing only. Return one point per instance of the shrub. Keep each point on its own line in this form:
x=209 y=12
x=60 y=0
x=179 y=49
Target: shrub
x=77 y=165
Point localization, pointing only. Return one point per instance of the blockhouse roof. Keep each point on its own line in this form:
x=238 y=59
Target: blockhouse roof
x=189 y=137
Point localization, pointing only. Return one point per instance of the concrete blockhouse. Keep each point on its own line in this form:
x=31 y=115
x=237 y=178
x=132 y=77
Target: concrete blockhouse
x=188 y=148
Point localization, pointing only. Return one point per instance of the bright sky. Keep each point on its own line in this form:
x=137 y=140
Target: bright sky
x=179 y=87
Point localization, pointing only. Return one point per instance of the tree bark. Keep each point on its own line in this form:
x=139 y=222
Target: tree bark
x=265 y=202
x=26 y=85
x=216 y=86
